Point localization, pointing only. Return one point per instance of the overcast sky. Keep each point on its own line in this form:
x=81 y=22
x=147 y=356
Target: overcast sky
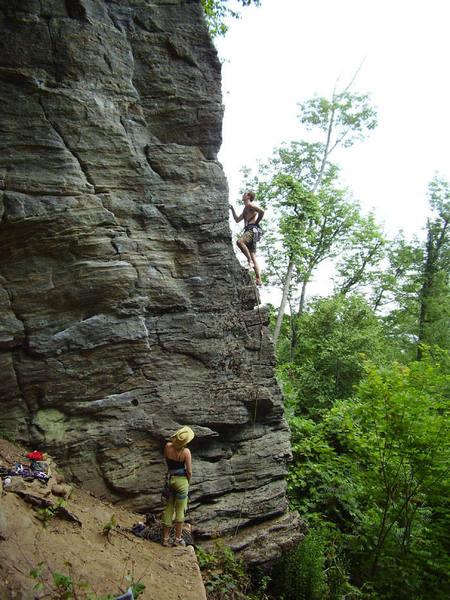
x=287 y=51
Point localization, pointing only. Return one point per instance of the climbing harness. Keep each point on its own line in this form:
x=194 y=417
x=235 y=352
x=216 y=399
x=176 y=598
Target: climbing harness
x=166 y=491
x=179 y=472
x=256 y=231
x=169 y=492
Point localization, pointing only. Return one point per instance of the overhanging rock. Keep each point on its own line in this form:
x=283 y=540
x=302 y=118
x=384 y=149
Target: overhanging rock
x=124 y=311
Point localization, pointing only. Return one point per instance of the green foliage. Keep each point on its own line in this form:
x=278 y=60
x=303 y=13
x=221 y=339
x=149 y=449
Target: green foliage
x=314 y=570
x=47 y=513
x=370 y=439
x=338 y=335
x=136 y=587
x=434 y=297
x=299 y=221
x=301 y=575
x=7 y=436
x=374 y=470
x=365 y=380
x=413 y=288
x=361 y=256
x=309 y=219
x=216 y=12
x=226 y=576
x=346 y=117
x=110 y=526
x=60 y=586
x=64 y=587
x=222 y=572
x=395 y=294
x=37 y=574
x=403 y=413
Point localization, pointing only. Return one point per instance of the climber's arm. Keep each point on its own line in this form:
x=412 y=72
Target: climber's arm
x=235 y=216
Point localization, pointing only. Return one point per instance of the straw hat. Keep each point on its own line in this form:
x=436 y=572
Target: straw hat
x=182 y=437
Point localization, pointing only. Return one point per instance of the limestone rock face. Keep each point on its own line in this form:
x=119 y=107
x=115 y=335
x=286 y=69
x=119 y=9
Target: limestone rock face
x=124 y=312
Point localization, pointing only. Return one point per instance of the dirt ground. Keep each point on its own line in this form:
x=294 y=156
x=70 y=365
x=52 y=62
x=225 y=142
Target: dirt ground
x=79 y=548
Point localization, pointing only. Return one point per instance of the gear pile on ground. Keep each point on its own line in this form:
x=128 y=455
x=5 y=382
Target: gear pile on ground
x=52 y=532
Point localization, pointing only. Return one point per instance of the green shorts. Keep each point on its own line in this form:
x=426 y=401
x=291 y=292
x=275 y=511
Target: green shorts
x=178 y=484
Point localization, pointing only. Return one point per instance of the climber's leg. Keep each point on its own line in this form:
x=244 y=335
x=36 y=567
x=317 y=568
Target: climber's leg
x=256 y=267
x=242 y=242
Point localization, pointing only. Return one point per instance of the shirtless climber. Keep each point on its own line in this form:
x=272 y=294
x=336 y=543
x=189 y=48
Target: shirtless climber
x=252 y=215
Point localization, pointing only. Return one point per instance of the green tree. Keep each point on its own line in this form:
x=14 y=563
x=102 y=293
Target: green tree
x=412 y=289
x=311 y=216
x=300 y=574
x=338 y=335
x=397 y=279
x=434 y=296
x=217 y=11
x=362 y=255
x=376 y=469
x=310 y=227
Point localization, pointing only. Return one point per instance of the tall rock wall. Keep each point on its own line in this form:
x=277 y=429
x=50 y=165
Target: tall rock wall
x=124 y=312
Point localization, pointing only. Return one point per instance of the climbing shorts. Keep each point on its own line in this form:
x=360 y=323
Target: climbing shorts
x=248 y=238
x=178 y=486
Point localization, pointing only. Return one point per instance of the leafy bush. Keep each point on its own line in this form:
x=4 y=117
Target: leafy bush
x=226 y=577
x=223 y=573
x=338 y=336
x=47 y=513
x=60 y=586
x=300 y=574
x=374 y=471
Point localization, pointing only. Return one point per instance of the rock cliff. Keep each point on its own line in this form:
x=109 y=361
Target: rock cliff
x=124 y=312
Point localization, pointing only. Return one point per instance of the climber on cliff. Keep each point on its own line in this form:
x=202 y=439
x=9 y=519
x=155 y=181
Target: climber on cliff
x=178 y=459
x=251 y=215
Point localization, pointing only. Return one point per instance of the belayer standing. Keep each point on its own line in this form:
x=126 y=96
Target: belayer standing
x=251 y=215
x=178 y=459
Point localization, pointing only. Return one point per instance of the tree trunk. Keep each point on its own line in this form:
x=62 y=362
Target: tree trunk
x=301 y=307
x=286 y=288
x=287 y=282
x=433 y=249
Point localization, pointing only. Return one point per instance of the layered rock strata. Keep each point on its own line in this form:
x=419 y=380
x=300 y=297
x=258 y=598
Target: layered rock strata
x=124 y=312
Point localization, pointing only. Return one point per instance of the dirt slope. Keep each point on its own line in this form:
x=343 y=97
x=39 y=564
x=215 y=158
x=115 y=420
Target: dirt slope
x=80 y=549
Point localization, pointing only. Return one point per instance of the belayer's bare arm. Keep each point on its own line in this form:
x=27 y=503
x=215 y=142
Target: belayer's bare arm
x=188 y=463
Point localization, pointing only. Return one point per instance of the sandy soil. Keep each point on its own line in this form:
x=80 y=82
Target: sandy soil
x=82 y=550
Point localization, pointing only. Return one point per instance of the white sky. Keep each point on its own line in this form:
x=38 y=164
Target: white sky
x=288 y=50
